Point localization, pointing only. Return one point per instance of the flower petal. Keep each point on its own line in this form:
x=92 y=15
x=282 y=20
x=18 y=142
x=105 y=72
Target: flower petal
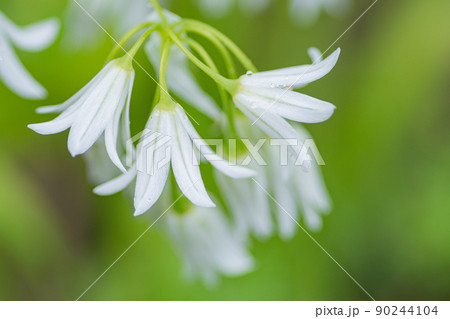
x=205 y=240
x=77 y=97
x=58 y=125
x=153 y=165
x=315 y=55
x=293 y=77
x=272 y=124
x=35 y=37
x=116 y=185
x=97 y=111
x=112 y=129
x=185 y=166
x=290 y=105
x=225 y=167
x=15 y=76
x=311 y=182
x=286 y=208
x=249 y=205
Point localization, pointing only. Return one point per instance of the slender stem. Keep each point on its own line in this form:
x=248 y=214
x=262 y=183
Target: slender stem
x=127 y=37
x=219 y=45
x=240 y=55
x=226 y=83
x=160 y=11
x=140 y=42
x=223 y=96
x=165 y=54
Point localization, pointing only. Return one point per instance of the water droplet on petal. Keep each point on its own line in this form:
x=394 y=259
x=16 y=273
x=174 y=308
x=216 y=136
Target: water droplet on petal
x=249 y=73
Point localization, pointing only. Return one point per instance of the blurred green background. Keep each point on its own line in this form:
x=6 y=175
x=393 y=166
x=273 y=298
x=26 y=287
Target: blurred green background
x=387 y=150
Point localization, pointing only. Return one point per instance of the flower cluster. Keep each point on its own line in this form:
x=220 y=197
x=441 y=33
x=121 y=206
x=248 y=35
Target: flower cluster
x=213 y=225
x=35 y=37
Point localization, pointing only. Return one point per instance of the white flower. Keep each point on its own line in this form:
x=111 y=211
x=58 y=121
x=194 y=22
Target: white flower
x=220 y=8
x=267 y=100
x=248 y=204
x=293 y=189
x=35 y=37
x=175 y=143
x=306 y=12
x=296 y=187
x=116 y=16
x=180 y=77
x=204 y=240
x=94 y=110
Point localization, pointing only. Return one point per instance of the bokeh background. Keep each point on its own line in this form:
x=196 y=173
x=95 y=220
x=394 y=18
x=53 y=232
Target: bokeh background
x=387 y=150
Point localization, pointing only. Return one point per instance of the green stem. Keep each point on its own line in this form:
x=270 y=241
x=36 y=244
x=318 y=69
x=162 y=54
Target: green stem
x=223 y=96
x=127 y=37
x=160 y=11
x=240 y=55
x=140 y=42
x=230 y=85
x=165 y=54
x=219 y=45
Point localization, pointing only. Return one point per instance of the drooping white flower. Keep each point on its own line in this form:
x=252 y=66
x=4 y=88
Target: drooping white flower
x=306 y=12
x=248 y=204
x=35 y=37
x=298 y=189
x=115 y=17
x=95 y=110
x=170 y=139
x=266 y=98
x=220 y=8
x=180 y=78
x=207 y=245
x=284 y=191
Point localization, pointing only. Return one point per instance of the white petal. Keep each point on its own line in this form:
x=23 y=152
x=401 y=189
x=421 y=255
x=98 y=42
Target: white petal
x=312 y=219
x=293 y=77
x=77 y=97
x=116 y=185
x=112 y=129
x=151 y=187
x=209 y=245
x=249 y=205
x=152 y=175
x=15 y=76
x=97 y=111
x=286 y=207
x=35 y=37
x=230 y=256
x=272 y=124
x=185 y=166
x=311 y=182
x=58 y=125
x=225 y=167
x=315 y=55
x=288 y=104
